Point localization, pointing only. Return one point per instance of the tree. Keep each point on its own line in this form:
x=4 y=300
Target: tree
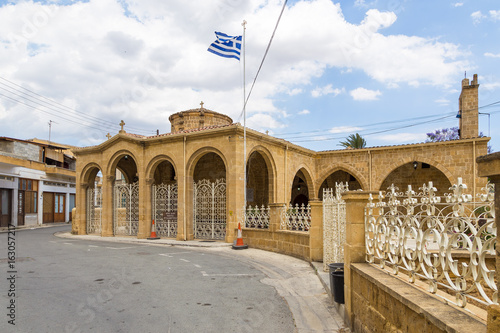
x=447 y=134
x=355 y=141
x=444 y=134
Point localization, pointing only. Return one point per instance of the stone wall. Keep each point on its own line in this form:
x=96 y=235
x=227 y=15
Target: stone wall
x=383 y=303
x=291 y=243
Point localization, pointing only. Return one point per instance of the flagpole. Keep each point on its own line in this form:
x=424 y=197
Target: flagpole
x=244 y=126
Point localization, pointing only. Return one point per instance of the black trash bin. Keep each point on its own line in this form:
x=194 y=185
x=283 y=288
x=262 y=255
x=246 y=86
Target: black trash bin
x=338 y=286
x=337 y=281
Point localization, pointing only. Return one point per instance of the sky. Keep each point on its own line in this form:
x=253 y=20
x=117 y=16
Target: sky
x=390 y=70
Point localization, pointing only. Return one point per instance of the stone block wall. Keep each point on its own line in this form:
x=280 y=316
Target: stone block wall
x=291 y=243
x=383 y=303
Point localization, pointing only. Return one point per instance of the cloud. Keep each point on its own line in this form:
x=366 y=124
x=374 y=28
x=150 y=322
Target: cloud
x=492 y=55
x=458 y=4
x=345 y=129
x=442 y=101
x=490 y=85
x=402 y=137
x=146 y=60
x=326 y=90
x=363 y=94
x=304 y=112
x=495 y=15
x=477 y=17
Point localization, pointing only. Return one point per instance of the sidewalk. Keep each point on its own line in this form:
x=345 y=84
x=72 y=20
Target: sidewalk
x=300 y=283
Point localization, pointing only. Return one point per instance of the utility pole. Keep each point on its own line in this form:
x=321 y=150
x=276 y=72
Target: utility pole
x=50 y=127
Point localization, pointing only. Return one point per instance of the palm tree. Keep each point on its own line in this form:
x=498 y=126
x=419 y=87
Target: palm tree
x=355 y=141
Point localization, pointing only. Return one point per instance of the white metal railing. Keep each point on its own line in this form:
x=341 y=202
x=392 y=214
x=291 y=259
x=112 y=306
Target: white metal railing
x=296 y=218
x=257 y=217
x=448 y=244
x=334 y=224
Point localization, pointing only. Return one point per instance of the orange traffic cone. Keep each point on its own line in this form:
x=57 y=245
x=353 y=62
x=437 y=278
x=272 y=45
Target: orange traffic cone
x=153 y=231
x=238 y=243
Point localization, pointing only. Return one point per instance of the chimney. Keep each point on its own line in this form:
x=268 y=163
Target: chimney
x=468 y=109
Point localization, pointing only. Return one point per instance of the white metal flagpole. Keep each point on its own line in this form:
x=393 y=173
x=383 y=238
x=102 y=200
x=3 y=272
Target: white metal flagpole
x=244 y=125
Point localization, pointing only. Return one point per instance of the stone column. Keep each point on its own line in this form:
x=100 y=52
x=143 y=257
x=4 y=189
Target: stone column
x=489 y=166
x=79 y=225
x=107 y=206
x=145 y=200
x=354 y=250
x=275 y=216
x=316 y=231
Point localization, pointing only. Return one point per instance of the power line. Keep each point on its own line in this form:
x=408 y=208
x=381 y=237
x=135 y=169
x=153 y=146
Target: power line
x=47 y=103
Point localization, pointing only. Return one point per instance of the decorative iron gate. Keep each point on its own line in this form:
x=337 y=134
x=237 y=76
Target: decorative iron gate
x=165 y=209
x=126 y=209
x=94 y=210
x=334 y=220
x=210 y=209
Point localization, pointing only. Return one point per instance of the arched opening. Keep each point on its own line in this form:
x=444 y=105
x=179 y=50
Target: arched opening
x=164 y=199
x=300 y=190
x=94 y=201
x=339 y=176
x=126 y=197
x=416 y=174
x=209 y=199
x=257 y=181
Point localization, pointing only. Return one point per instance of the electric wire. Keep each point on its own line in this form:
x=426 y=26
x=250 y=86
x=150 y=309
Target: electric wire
x=43 y=102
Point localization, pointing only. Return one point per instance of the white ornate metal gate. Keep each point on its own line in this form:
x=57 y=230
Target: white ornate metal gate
x=94 y=210
x=334 y=220
x=126 y=209
x=165 y=209
x=210 y=209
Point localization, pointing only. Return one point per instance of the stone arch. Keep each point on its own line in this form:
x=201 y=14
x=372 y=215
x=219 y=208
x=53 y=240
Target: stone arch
x=89 y=172
x=197 y=155
x=404 y=173
x=91 y=199
x=297 y=190
x=116 y=162
x=360 y=179
x=154 y=164
x=270 y=168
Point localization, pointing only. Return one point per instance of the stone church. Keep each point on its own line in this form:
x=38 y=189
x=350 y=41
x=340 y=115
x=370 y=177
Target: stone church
x=191 y=181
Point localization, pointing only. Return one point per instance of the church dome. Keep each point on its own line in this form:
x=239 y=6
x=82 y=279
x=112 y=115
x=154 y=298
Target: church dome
x=197 y=118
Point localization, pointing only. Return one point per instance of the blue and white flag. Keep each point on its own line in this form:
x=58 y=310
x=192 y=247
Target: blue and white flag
x=226 y=46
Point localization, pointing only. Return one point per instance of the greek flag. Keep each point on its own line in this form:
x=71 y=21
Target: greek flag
x=226 y=46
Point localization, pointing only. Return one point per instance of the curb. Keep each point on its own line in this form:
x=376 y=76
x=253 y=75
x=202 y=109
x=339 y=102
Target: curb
x=161 y=241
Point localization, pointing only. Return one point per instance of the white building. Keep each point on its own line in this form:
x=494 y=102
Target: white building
x=37 y=182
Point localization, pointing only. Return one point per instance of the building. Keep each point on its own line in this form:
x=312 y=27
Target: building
x=37 y=182
x=191 y=181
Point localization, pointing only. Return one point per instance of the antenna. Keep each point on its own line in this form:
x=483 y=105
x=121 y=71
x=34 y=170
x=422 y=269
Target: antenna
x=50 y=127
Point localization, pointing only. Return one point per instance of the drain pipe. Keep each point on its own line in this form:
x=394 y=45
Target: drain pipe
x=185 y=189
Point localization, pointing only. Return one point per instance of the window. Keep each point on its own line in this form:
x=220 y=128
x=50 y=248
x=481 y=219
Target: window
x=30 y=188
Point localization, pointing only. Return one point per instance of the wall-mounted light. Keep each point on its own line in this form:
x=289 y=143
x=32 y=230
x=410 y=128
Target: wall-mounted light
x=298 y=188
x=415 y=165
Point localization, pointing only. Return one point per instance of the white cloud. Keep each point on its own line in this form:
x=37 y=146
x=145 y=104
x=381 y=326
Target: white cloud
x=262 y=121
x=490 y=85
x=148 y=61
x=477 y=17
x=495 y=15
x=345 y=129
x=363 y=94
x=304 y=112
x=492 y=55
x=326 y=90
x=400 y=138
x=442 y=101
x=458 y=4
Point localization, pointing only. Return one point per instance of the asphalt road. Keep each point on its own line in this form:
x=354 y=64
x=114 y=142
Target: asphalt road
x=67 y=285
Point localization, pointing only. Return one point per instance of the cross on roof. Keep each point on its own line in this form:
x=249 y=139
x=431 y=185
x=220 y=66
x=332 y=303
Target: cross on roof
x=108 y=136
x=122 y=123
x=201 y=104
